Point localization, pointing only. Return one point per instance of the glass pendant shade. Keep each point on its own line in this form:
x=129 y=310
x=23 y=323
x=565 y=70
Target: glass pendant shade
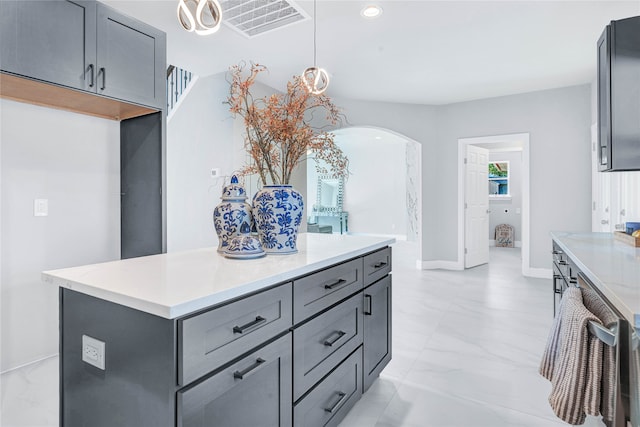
x=316 y=80
x=202 y=16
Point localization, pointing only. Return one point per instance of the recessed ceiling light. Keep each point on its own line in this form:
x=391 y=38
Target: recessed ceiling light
x=371 y=11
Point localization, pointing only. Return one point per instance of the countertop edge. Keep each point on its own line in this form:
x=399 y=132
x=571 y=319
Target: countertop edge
x=633 y=318
x=216 y=298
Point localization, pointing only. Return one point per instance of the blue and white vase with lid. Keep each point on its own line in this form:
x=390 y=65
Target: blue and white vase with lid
x=231 y=213
x=277 y=212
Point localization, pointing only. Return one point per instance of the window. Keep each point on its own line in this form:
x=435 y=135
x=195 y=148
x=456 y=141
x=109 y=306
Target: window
x=499 y=179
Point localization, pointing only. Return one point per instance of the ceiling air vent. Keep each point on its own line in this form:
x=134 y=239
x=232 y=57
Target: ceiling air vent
x=255 y=17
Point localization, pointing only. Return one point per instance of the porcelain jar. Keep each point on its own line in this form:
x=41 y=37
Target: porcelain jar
x=231 y=213
x=277 y=212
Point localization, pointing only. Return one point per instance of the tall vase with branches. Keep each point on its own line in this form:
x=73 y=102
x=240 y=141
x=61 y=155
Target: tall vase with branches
x=279 y=135
x=281 y=130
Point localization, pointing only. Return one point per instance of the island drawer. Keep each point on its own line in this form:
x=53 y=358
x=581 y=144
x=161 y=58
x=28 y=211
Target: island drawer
x=318 y=291
x=320 y=345
x=329 y=401
x=377 y=265
x=255 y=391
x=209 y=340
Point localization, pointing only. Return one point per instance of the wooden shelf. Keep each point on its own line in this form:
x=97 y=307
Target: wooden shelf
x=49 y=95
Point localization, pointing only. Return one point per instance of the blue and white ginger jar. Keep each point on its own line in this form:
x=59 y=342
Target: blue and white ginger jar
x=231 y=213
x=277 y=212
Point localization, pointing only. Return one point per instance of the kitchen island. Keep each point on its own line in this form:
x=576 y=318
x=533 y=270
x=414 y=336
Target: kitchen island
x=195 y=339
x=612 y=269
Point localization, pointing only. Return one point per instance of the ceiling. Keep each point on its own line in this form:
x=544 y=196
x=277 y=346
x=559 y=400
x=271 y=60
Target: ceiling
x=419 y=52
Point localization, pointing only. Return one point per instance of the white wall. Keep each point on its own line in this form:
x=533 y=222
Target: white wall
x=199 y=138
x=558 y=122
x=73 y=161
x=506 y=211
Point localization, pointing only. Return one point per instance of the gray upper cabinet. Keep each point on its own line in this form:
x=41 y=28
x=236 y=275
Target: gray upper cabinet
x=131 y=59
x=84 y=45
x=53 y=41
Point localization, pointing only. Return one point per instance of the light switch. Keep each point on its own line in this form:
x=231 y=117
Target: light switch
x=41 y=207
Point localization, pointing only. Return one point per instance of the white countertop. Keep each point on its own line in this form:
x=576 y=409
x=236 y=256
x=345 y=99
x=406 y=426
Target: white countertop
x=175 y=284
x=612 y=266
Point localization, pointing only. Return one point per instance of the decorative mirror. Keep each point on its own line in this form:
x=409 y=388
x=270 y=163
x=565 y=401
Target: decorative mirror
x=330 y=194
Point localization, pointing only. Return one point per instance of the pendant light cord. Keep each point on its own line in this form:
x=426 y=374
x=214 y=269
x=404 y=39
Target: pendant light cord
x=315 y=62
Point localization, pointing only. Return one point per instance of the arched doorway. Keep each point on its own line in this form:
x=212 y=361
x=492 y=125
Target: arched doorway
x=383 y=194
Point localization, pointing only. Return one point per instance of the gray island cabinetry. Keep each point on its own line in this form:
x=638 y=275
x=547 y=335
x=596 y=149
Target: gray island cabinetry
x=194 y=339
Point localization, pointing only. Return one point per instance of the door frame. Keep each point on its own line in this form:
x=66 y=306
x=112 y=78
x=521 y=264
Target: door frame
x=517 y=138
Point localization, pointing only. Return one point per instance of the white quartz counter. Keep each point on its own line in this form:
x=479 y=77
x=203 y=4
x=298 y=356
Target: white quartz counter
x=612 y=266
x=175 y=284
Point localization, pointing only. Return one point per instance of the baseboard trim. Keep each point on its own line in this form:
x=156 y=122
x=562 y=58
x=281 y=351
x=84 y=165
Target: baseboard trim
x=540 y=273
x=439 y=264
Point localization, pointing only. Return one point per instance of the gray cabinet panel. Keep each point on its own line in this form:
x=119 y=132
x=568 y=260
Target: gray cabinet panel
x=211 y=339
x=319 y=345
x=131 y=59
x=377 y=329
x=141 y=198
x=377 y=265
x=329 y=402
x=318 y=291
x=53 y=41
x=137 y=386
x=256 y=391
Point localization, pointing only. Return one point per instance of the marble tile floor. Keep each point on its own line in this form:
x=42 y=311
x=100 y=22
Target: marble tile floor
x=466 y=350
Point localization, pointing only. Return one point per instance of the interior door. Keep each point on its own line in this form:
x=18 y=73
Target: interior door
x=476 y=201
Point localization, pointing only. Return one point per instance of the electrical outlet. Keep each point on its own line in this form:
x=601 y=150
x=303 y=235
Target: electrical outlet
x=93 y=351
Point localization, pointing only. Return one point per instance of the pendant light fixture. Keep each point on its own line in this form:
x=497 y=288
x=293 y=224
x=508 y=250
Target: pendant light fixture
x=315 y=79
x=202 y=16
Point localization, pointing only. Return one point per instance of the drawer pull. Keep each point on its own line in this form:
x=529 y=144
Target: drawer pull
x=379 y=264
x=335 y=284
x=241 y=374
x=330 y=343
x=92 y=75
x=338 y=404
x=241 y=329
x=367 y=309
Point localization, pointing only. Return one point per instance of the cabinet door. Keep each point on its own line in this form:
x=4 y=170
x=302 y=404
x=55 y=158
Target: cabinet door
x=53 y=41
x=377 y=329
x=131 y=59
x=255 y=391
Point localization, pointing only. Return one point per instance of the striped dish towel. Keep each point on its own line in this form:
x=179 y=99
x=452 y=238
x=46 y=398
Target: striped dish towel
x=594 y=304
x=572 y=361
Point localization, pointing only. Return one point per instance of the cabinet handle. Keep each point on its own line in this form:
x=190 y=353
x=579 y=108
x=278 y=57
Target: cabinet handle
x=338 y=404
x=379 y=264
x=241 y=374
x=335 y=284
x=368 y=306
x=330 y=343
x=104 y=78
x=92 y=75
x=241 y=329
